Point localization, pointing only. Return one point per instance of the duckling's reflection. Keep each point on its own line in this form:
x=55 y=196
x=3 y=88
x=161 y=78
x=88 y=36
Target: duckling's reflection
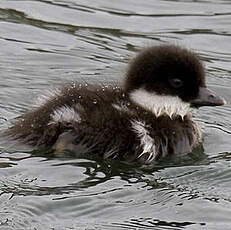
x=99 y=171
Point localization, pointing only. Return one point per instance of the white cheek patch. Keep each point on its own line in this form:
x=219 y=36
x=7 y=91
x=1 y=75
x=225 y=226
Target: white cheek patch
x=147 y=142
x=65 y=114
x=160 y=104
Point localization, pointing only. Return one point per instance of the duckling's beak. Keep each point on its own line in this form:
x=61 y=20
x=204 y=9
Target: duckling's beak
x=207 y=98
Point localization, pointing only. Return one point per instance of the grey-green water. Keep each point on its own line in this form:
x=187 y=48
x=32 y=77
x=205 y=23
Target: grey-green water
x=46 y=42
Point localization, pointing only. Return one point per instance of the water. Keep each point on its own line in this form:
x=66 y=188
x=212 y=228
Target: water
x=47 y=42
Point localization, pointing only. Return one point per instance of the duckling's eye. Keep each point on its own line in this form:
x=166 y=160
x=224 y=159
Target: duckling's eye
x=176 y=82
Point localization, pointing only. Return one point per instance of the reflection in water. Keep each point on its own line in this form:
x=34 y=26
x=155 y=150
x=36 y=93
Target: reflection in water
x=96 y=172
x=46 y=43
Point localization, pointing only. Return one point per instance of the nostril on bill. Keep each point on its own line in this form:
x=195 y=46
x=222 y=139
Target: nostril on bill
x=212 y=96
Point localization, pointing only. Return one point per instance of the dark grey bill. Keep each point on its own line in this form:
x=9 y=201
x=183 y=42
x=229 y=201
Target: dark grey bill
x=207 y=98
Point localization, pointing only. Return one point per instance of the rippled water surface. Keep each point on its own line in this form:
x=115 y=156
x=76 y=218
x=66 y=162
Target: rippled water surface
x=46 y=42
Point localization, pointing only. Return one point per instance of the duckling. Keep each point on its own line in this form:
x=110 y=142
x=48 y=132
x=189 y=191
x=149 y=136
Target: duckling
x=145 y=119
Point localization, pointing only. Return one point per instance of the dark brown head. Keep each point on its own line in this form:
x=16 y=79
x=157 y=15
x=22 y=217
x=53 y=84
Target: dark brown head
x=170 y=70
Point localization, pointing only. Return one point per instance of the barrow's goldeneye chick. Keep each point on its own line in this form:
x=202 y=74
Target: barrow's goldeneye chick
x=145 y=119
